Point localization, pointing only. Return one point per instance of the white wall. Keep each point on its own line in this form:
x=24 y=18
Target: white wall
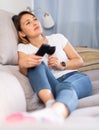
x=15 y=6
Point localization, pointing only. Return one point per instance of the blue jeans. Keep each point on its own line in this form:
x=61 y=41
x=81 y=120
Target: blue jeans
x=66 y=89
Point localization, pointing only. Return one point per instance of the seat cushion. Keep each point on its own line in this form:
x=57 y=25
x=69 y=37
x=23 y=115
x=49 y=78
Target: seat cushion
x=12 y=98
x=32 y=101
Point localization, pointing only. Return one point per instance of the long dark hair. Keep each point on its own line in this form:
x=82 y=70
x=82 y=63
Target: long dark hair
x=16 y=20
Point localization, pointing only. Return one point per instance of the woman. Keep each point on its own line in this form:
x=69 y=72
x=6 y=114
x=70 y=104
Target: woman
x=60 y=93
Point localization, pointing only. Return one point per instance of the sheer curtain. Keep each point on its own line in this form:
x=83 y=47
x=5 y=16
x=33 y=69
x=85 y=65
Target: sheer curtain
x=76 y=19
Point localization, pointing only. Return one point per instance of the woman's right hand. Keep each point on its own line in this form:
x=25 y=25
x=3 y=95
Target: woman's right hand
x=28 y=60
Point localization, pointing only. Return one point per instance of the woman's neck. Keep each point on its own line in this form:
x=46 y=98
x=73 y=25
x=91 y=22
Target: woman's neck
x=38 y=41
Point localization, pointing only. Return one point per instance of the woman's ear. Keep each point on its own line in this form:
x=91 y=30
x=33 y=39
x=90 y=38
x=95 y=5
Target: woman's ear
x=22 y=37
x=21 y=34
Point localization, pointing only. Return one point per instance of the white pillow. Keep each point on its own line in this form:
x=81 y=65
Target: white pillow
x=8 y=39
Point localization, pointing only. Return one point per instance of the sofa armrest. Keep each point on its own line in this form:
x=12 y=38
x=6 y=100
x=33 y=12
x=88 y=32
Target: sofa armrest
x=12 y=97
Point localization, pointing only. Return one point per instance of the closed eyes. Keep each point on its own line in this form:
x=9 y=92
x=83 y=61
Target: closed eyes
x=28 y=21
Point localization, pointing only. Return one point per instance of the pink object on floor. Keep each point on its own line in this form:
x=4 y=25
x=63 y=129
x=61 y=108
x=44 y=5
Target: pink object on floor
x=18 y=118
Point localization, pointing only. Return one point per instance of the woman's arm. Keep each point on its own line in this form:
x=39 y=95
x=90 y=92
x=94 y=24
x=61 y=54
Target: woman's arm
x=26 y=61
x=75 y=60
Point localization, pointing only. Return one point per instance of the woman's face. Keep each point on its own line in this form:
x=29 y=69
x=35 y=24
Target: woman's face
x=30 y=26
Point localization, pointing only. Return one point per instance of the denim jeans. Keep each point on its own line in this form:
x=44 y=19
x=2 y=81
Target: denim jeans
x=66 y=89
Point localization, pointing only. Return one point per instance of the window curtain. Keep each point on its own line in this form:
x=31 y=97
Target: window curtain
x=78 y=20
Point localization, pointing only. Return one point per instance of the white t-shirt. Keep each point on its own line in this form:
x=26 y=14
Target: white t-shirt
x=57 y=40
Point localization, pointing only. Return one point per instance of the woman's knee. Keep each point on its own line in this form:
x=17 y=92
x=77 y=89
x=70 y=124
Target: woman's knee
x=81 y=83
x=38 y=79
x=37 y=69
x=82 y=86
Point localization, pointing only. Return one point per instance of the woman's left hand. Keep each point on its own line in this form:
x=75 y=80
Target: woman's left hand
x=53 y=61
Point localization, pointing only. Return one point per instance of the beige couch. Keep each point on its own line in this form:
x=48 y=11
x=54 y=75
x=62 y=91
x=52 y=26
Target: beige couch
x=16 y=93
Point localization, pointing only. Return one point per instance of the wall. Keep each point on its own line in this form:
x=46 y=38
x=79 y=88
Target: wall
x=16 y=6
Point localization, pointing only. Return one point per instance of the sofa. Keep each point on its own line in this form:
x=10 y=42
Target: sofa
x=16 y=94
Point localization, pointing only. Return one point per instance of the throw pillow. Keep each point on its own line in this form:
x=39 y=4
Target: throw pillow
x=90 y=57
x=8 y=39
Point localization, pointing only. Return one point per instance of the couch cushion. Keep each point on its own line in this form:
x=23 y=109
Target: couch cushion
x=93 y=74
x=8 y=39
x=32 y=101
x=83 y=119
x=12 y=97
x=89 y=101
x=95 y=87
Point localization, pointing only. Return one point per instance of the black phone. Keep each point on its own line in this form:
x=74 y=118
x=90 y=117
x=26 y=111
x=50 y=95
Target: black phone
x=45 y=48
